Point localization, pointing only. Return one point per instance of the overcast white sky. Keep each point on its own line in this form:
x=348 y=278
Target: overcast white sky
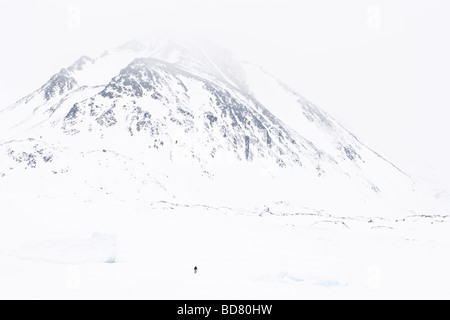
x=380 y=67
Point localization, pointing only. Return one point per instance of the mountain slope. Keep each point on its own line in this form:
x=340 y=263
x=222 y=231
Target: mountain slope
x=185 y=119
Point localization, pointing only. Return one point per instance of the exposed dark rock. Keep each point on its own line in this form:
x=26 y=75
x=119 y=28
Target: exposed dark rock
x=60 y=84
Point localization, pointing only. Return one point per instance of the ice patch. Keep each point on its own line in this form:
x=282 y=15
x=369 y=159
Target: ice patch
x=288 y=278
x=283 y=277
x=100 y=248
x=328 y=283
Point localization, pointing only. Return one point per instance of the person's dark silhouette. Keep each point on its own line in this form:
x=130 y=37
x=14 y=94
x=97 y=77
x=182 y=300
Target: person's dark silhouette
x=195 y=270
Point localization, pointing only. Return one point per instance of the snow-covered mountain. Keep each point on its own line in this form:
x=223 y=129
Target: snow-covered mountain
x=169 y=118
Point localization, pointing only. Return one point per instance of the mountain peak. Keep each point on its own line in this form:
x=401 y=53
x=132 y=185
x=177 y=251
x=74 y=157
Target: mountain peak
x=135 y=45
x=191 y=53
x=80 y=63
x=59 y=84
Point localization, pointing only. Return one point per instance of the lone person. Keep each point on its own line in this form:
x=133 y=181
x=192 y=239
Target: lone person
x=195 y=270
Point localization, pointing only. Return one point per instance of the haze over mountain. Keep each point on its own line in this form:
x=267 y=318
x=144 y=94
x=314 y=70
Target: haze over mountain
x=165 y=117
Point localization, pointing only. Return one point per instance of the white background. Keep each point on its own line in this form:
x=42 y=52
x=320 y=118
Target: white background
x=380 y=67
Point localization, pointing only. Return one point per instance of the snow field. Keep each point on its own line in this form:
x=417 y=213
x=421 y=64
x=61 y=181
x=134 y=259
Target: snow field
x=63 y=250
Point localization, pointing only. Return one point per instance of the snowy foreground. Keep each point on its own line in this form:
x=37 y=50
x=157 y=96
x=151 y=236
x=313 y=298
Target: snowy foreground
x=115 y=250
